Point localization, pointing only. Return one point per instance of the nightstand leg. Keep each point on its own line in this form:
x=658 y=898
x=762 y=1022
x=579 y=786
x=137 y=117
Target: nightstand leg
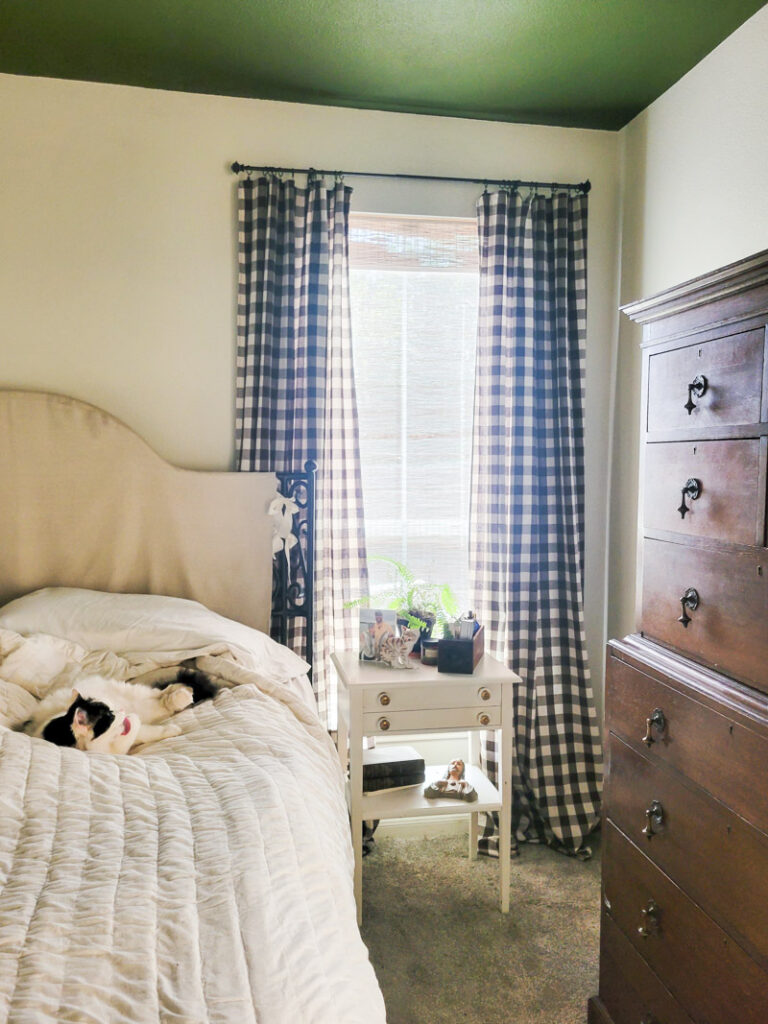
x=473 y=747
x=357 y=846
x=505 y=815
x=356 y=813
x=342 y=738
x=474 y=835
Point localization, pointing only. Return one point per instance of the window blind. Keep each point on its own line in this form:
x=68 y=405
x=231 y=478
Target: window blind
x=414 y=293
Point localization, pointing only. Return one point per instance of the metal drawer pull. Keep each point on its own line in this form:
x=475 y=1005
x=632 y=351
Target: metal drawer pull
x=650 y=916
x=383 y=699
x=654 y=819
x=484 y=694
x=657 y=718
x=689 y=600
x=383 y=724
x=483 y=719
x=698 y=387
x=691 y=490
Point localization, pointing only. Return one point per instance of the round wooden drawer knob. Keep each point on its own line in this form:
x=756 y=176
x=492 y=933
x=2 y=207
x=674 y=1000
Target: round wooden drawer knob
x=484 y=694
x=483 y=719
x=384 y=699
x=383 y=724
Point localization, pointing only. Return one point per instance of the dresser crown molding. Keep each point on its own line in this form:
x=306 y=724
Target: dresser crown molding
x=725 y=282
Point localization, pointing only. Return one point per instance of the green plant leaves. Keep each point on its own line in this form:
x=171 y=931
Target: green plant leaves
x=412 y=598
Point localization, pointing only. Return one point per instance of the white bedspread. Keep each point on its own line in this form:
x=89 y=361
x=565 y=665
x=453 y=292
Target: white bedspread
x=203 y=879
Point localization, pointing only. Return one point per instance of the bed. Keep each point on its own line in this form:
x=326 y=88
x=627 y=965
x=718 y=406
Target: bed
x=204 y=878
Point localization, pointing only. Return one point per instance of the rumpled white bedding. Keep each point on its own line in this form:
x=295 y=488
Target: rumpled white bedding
x=206 y=878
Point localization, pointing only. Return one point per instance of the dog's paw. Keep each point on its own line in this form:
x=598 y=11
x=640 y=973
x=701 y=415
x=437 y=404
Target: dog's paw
x=170 y=730
x=177 y=697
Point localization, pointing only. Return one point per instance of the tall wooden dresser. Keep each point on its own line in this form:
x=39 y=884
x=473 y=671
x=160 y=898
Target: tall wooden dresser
x=684 y=933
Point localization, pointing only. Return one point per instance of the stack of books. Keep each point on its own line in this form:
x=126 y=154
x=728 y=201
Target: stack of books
x=391 y=767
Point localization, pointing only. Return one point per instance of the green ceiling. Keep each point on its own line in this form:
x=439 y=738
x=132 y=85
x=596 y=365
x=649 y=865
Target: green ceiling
x=586 y=63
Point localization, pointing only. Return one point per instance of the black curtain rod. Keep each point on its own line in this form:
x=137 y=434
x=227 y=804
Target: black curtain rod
x=556 y=186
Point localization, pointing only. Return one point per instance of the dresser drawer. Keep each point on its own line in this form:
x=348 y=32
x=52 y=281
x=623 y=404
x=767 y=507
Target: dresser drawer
x=729 y=628
x=424 y=698
x=441 y=718
x=717 y=752
x=733 y=370
x=711 y=976
x=629 y=990
x=724 y=475
x=685 y=832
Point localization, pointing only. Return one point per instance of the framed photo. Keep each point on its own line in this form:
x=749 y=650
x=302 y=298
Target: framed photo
x=375 y=625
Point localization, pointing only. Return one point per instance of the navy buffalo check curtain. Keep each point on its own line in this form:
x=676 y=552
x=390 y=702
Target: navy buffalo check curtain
x=527 y=507
x=295 y=383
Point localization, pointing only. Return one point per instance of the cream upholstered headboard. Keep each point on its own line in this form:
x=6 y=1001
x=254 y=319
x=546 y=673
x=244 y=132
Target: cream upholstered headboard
x=84 y=502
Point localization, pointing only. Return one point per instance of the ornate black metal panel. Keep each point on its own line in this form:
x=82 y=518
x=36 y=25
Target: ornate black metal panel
x=293 y=568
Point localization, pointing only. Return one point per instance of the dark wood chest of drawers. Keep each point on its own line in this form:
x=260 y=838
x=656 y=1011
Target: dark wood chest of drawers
x=684 y=935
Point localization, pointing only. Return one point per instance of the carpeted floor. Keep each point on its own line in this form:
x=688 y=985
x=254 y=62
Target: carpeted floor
x=444 y=954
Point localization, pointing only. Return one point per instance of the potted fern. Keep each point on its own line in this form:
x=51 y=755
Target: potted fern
x=418 y=604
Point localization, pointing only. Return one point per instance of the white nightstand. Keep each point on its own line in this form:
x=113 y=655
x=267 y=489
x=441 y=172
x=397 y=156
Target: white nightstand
x=376 y=700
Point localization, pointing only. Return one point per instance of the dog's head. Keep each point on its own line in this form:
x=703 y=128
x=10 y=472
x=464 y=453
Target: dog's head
x=89 y=719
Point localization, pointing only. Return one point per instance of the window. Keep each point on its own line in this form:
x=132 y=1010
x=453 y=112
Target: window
x=414 y=292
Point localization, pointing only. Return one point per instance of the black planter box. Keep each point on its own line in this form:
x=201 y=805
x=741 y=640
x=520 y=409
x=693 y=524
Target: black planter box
x=461 y=656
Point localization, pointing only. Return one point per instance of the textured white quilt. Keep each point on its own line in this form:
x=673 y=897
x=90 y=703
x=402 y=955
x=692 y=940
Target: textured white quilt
x=206 y=878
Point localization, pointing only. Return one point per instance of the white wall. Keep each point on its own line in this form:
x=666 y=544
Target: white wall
x=695 y=197
x=118 y=246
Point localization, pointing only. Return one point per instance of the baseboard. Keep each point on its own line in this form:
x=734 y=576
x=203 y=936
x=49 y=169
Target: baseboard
x=425 y=827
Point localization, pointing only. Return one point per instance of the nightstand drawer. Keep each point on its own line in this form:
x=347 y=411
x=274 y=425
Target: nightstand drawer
x=429 y=697
x=435 y=718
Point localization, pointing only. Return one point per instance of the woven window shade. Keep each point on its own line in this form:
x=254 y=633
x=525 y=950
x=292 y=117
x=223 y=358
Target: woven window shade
x=414 y=287
x=383 y=242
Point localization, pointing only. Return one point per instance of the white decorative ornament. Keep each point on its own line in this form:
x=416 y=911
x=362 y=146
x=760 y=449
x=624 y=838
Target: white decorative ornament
x=282 y=510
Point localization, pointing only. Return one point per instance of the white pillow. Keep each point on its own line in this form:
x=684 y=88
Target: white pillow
x=34 y=662
x=138 y=626
x=16 y=704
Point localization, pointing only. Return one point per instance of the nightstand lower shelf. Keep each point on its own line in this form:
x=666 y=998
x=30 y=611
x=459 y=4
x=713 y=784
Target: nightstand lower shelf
x=411 y=802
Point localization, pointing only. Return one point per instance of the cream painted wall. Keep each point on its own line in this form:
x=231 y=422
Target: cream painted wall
x=695 y=197
x=118 y=247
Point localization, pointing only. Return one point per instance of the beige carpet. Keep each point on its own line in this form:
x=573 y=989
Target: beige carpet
x=444 y=954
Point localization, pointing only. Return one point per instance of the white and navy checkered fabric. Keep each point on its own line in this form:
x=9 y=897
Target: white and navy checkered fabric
x=527 y=507
x=295 y=383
